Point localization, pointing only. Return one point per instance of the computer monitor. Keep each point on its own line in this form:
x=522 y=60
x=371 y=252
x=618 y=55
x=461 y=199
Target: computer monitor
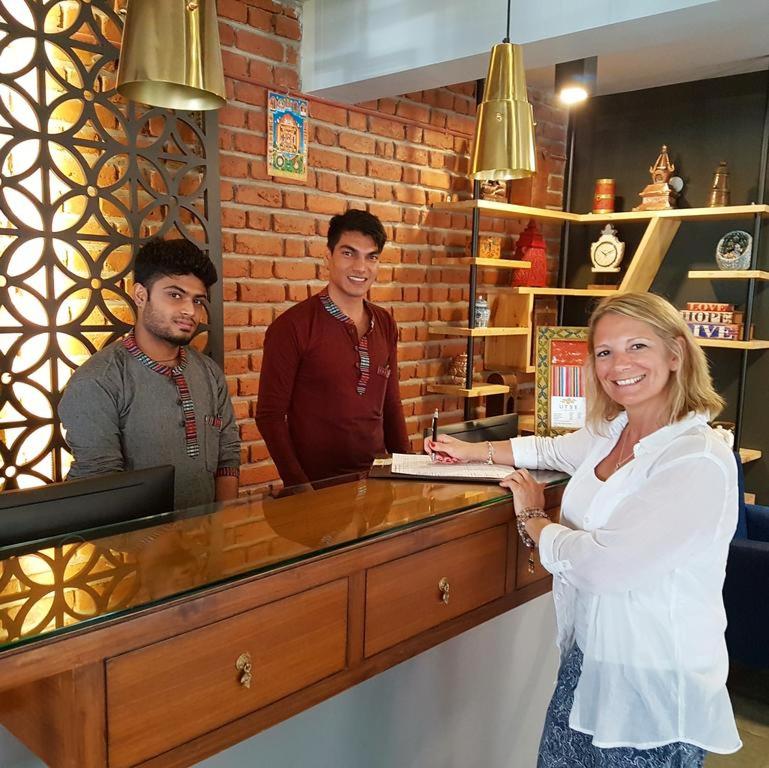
x=58 y=508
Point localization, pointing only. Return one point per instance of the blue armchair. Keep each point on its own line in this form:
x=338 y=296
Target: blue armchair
x=746 y=589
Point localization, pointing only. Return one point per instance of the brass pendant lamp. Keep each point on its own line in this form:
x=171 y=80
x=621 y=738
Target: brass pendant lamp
x=504 y=128
x=170 y=55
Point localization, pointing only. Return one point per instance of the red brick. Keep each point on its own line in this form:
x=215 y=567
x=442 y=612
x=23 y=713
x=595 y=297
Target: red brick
x=261 y=268
x=409 y=154
x=232 y=267
x=386 y=212
x=389 y=128
x=324 y=204
x=438 y=139
x=327 y=113
x=260 y=45
x=383 y=192
x=287 y=77
x=293 y=200
x=249 y=144
x=250 y=93
x=411 y=195
x=294 y=249
x=233 y=116
x=322 y=158
x=261 y=315
x=261 y=473
x=259 y=220
x=260 y=70
x=261 y=292
x=357 y=143
x=431 y=178
x=326 y=182
x=251 y=194
x=260 y=19
x=410 y=175
x=294 y=225
x=297 y=292
x=356 y=120
x=326 y=136
x=287 y=27
x=226 y=35
x=356 y=187
x=235 y=363
x=385 y=149
x=295 y=270
x=233 y=9
x=461 y=124
x=417 y=113
x=259 y=245
x=233 y=218
x=356 y=166
x=251 y=339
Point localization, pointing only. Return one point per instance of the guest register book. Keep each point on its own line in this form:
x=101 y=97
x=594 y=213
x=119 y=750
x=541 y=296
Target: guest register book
x=408 y=466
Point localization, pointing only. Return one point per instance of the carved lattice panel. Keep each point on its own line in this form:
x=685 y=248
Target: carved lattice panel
x=84 y=179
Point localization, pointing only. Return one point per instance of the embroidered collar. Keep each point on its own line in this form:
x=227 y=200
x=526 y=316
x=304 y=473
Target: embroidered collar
x=129 y=342
x=364 y=361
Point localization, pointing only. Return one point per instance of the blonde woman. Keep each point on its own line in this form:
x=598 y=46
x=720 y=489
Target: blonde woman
x=639 y=556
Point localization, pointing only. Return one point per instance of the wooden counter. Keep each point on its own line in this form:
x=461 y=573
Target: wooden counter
x=164 y=644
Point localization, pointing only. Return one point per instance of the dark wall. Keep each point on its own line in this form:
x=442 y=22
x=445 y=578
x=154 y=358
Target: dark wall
x=619 y=136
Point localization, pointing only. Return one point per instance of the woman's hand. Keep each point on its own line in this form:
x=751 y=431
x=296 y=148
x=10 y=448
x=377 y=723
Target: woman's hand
x=527 y=492
x=449 y=450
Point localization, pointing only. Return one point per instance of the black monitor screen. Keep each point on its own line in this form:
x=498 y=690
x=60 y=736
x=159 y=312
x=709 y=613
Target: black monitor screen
x=75 y=505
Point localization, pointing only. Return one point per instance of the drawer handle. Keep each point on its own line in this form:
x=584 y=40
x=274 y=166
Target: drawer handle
x=445 y=589
x=243 y=665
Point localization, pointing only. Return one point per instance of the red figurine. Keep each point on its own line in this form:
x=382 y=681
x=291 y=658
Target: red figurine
x=531 y=247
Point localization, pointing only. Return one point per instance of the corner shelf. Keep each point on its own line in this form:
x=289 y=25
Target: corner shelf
x=737 y=274
x=681 y=214
x=458 y=330
x=749 y=454
x=457 y=390
x=527 y=289
x=506 y=210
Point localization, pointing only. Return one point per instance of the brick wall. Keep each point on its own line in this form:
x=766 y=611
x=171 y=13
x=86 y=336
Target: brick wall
x=394 y=157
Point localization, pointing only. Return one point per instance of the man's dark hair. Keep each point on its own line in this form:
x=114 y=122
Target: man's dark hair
x=356 y=221
x=166 y=258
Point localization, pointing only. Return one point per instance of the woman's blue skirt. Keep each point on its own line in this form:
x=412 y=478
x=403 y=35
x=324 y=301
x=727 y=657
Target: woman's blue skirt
x=562 y=747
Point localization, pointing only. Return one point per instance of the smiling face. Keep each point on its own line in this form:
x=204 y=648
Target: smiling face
x=632 y=364
x=352 y=266
x=172 y=308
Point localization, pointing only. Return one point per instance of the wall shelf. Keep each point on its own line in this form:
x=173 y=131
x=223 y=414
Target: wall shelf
x=457 y=390
x=750 y=454
x=528 y=289
x=458 y=330
x=681 y=214
x=463 y=261
x=506 y=210
x=729 y=344
x=737 y=274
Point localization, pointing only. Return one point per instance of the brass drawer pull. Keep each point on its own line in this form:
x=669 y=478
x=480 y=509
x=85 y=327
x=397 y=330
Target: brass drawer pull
x=445 y=589
x=243 y=665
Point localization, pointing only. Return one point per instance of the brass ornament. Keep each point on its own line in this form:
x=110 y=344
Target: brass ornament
x=445 y=590
x=244 y=666
x=719 y=187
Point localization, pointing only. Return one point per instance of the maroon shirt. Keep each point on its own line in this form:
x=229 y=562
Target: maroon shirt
x=313 y=420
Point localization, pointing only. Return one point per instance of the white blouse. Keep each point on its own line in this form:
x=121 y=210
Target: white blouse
x=643 y=559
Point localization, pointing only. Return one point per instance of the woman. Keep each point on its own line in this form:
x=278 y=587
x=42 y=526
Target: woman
x=639 y=557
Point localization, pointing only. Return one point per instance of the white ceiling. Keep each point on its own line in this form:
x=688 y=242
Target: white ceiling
x=357 y=50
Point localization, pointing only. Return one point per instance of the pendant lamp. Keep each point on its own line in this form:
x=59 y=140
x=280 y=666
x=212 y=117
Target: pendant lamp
x=170 y=55
x=504 y=127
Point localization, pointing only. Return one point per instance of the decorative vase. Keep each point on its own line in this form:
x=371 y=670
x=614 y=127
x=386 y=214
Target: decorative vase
x=733 y=250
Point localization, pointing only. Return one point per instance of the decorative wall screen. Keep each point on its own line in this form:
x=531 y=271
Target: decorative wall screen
x=84 y=179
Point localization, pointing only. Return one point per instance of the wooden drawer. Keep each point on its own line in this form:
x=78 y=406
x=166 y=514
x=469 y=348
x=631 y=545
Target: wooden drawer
x=403 y=598
x=173 y=691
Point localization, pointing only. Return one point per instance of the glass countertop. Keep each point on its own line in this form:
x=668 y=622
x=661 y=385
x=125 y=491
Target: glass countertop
x=83 y=578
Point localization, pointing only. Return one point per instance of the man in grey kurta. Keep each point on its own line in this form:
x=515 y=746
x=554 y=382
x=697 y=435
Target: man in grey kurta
x=148 y=399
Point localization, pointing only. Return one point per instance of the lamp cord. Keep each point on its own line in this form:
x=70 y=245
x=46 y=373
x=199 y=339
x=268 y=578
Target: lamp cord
x=507 y=37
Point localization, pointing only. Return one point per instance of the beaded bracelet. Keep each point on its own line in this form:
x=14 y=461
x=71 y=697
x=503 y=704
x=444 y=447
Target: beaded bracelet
x=522 y=517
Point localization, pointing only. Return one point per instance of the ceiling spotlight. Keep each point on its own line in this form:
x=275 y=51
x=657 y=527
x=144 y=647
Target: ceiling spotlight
x=575 y=80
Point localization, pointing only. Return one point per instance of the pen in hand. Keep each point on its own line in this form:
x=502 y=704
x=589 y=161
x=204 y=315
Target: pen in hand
x=434 y=432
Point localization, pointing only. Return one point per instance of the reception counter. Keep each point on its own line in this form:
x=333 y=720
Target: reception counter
x=164 y=641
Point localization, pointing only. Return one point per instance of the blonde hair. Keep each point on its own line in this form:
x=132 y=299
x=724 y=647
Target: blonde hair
x=690 y=387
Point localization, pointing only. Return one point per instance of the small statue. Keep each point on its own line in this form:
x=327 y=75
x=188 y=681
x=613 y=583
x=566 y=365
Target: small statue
x=719 y=188
x=495 y=191
x=661 y=193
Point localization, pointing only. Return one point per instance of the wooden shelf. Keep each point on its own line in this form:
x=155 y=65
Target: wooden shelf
x=522 y=289
x=737 y=274
x=505 y=210
x=458 y=330
x=457 y=390
x=750 y=454
x=681 y=214
x=729 y=344
x=464 y=261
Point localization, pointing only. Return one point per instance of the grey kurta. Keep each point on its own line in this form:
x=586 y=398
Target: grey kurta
x=119 y=414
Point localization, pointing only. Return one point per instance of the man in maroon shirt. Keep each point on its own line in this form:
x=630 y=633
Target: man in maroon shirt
x=328 y=391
